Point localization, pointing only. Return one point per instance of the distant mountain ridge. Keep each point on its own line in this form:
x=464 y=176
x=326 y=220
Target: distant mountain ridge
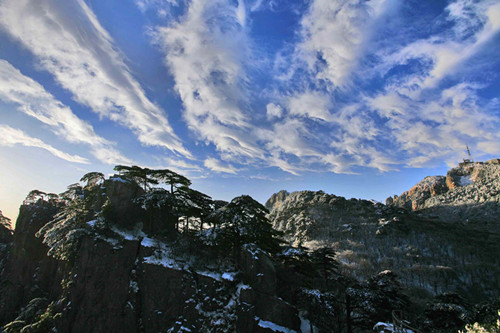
x=411 y=234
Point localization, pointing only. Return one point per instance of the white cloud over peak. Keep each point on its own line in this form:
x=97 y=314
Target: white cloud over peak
x=70 y=43
x=33 y=100
x=11 y=137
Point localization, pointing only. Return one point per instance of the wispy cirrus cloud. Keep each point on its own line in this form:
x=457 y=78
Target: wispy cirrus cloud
x=334 y=36
x=33 y=100
x=70 y=43
x=206 y=51
x=11 y=137
x=219 y=166
x=347 y=95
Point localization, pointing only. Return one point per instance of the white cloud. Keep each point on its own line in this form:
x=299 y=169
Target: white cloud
x=70 y=43
x=11 y=137
x=273 y=111
x=206 y=52
x=182 y=165
x=35 y=101
x=218 y=166
x=474 y=24
x=334 y=34
x=438 y=128
x=312 y=104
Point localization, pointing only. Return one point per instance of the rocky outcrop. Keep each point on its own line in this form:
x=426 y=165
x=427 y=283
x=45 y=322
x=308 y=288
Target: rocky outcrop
x=116 y=280
x=276 y=199
x=29 y=273
x=418 y=194
x=121 y=209
x=308 y=215
x=470 y=193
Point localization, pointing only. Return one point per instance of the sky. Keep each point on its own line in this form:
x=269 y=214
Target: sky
x=357 y=98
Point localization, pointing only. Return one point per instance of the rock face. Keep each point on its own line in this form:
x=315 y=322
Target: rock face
x=112 y=279
x=29 y=273
x=308 y=215
x=470 y=193
x=415 y=198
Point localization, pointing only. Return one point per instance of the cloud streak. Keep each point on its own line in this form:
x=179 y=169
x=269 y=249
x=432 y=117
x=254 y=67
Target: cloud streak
x=206 y=52
x=70 y=43
x=33 y=100
x=11 y=137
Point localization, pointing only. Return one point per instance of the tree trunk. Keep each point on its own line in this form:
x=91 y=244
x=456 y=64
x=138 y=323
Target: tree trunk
x=348 y=313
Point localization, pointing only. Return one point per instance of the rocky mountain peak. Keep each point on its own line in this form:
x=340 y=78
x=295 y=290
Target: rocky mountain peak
x=276 y=199
x=469 y=193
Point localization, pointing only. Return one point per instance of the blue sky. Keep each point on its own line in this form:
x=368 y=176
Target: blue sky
x=357 y=98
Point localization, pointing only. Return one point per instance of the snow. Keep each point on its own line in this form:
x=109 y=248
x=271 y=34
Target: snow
x=273 y=327
x=305 y=325
x=291 y=251
x=136 y=234
x=213 y=275
x=465 y=180
x=119 y=179
x=164 y=261
x=92 y=223
x=385 y=327
x=229 y=276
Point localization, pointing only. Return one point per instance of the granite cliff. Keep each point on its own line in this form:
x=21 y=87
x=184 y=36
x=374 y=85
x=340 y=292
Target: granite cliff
x=469 y=194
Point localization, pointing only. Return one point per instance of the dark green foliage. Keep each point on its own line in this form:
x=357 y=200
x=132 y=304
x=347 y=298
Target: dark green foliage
x=142 y=176
x=447 y=313
x=244 y=221
x=159 y=206
x=74 y=190
x=34 y=196
x=92 y=178
x=324 y=262
x=171 y=178
x=192 y=203
x=321 y=309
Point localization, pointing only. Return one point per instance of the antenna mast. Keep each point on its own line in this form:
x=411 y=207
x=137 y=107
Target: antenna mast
x=469 y=159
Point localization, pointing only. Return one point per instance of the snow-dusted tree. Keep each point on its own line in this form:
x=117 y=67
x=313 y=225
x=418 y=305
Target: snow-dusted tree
x=34 y=196
x=53 y=197
x=244 y=221
x=74 y=191
x=171 y=178
x=5 y=221
x=93 y=178
x=159 y=206
x=192 y=203
x=142 y=176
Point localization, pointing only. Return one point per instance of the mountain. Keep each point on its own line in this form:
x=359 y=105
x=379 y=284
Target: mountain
x=440 y=236
x=119 y=255
x=86 y=265
x=468 y=194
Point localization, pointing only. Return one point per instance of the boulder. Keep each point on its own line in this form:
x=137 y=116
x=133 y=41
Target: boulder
x=258 y=269
x=121 y=209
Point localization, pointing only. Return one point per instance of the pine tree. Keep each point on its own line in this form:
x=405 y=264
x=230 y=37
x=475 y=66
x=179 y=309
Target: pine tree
x=92 y=178
x=244 y=221
x=171 y=178
x=142 y=176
